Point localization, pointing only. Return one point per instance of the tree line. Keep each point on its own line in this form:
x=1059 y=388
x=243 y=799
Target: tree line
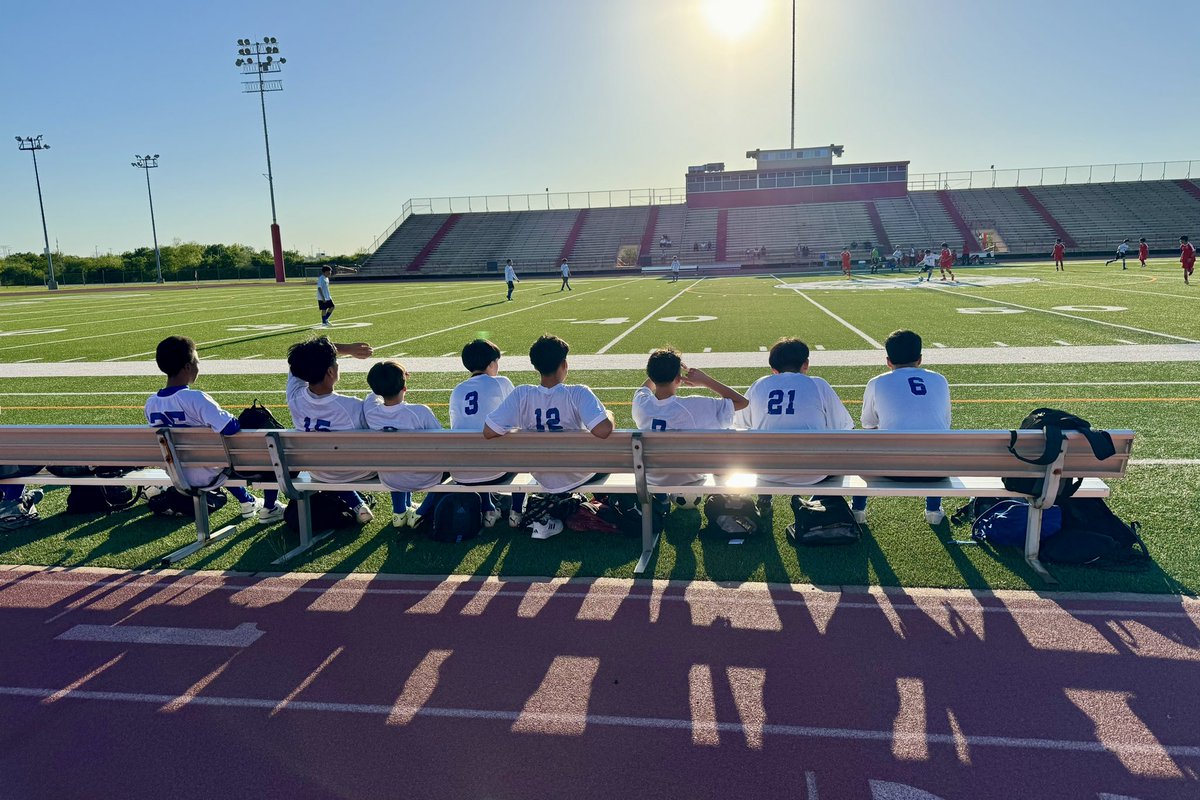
x=181 y=261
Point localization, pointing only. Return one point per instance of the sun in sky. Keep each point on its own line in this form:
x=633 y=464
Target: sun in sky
x=733 y=19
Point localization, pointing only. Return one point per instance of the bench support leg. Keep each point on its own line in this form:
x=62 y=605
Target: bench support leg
x=649 y=538
x=1033 y=544
x=204 y=536
x=307 y=539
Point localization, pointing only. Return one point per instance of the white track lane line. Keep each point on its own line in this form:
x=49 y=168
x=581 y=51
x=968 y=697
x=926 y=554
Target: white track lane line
x=867 y=338
x=508 y=313
x=640 y=322
x=609 y=720
x=1064 y=314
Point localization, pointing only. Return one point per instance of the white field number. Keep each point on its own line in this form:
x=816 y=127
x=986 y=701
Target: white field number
x=623 y=320
x=1090 y=308
x=32 y=332
x=990 y=310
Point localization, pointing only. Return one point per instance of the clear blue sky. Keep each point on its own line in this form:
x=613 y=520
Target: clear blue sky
x=389 y=100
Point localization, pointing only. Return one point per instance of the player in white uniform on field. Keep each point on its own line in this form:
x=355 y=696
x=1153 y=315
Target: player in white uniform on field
x=565 y=269
x=385 y=410
x=316 y=407
x=927 y=265
x=324 y=298
x=551 y=407
x=674 y=269
x=470 y=403
x=897 y=258
x=658 y=407
x=790 y=400
x=906 y=398
x=179 y=406
x=1122 y=252
x=510 y=276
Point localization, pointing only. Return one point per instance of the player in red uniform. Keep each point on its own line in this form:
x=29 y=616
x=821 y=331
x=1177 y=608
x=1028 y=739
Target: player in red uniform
x=846 y=262
x=1187 y=258
x=1143 y=250
x=1060 y=250
x=946 y=261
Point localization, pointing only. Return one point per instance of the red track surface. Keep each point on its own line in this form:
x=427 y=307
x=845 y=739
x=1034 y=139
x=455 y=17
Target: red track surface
x=381 y=687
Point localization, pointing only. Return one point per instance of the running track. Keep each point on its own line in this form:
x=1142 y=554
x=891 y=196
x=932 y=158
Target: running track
x=134 y=685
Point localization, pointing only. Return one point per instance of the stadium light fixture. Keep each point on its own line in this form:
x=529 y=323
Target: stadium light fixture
x=260 y=59
x=33 y=144
x=147 y=163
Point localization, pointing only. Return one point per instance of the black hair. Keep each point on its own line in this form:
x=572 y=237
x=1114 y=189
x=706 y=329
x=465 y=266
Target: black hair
x=326 y=268
x=903 y=347
x=664 y=365
x=174 y=353
x=312 y=359
x=1058 y=240
x=1183 y=238
x=1142 y=239
x=547 y=353
x=945 y=245
x=387 y=378
x=478 y=354
x=788 y=355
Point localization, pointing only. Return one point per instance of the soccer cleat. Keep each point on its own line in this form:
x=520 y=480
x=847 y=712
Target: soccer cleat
x=363 y=514
x=935 y=517
x=515 y=518
x=250 y=507
x=273 y=514
x=490 y=518
x=547 y=528
x=31 y=498
x=860 y=516
x=404 y=519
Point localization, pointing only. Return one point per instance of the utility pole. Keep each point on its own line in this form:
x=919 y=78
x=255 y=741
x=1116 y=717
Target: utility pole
x=793 y=139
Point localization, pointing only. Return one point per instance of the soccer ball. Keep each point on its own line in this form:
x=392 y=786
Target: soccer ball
x=687 y=500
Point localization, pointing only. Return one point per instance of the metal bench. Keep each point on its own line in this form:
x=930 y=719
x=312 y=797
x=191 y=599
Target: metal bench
x=742 y=461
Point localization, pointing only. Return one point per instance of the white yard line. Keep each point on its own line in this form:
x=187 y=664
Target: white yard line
x=302 y=326
x=508 y=313
x=1120 y=289
x=1164 y=462
x=644 y=319
x=1049 y=354
x=864 y=336
x=447 y=389
x=1065 y=314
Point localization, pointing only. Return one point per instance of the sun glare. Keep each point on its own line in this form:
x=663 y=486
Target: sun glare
x=733 y=19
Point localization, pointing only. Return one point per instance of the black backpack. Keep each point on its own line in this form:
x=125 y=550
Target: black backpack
x=258 y=417
x=328 y=511
x=1092 y=535
x=101 y=499
x=1054 y=422
x=173 y=503
x=821 y=522
x=732 y=516
x=457 y=518
x=86 y=472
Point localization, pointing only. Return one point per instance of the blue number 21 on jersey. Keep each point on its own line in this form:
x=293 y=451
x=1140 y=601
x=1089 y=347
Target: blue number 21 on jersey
x=775 y=405
x=552 y=421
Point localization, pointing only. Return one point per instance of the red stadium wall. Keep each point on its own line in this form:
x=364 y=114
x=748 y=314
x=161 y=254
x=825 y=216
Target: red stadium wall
x=750 y=198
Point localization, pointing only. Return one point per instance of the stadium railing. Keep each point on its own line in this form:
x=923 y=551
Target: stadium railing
x=742 y=462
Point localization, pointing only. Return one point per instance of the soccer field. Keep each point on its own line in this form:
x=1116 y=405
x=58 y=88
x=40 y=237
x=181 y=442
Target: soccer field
x=1118 y=348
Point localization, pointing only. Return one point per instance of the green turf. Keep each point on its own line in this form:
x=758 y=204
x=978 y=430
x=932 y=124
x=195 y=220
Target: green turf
x=1157 y=400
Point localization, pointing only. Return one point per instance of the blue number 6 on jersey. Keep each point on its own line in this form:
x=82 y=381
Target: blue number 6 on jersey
x=917 y=386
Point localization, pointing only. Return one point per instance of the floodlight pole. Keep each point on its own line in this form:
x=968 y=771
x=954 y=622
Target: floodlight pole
x=260 y=58
x=33 y=144
x=147 y=163
x=793 y=139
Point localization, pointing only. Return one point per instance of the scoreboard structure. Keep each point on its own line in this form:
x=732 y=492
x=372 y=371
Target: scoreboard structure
x=795 y=175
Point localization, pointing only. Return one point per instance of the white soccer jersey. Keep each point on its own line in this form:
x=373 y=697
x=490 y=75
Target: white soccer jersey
x=470 y=403
x=680 y=414
x=323 y=288
x=510 y=274
x=560 y=408
x=181 y=407
x=402 y=417
x=793 y=401
x=929 y=261
x=897 y=255
x=1122 y=248
x=674 y=265
x=566 y=270
x=331 y=412
x=907 y=399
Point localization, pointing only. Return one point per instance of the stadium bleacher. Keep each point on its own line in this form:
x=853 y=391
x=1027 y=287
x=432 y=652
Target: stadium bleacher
x=1021 y=220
